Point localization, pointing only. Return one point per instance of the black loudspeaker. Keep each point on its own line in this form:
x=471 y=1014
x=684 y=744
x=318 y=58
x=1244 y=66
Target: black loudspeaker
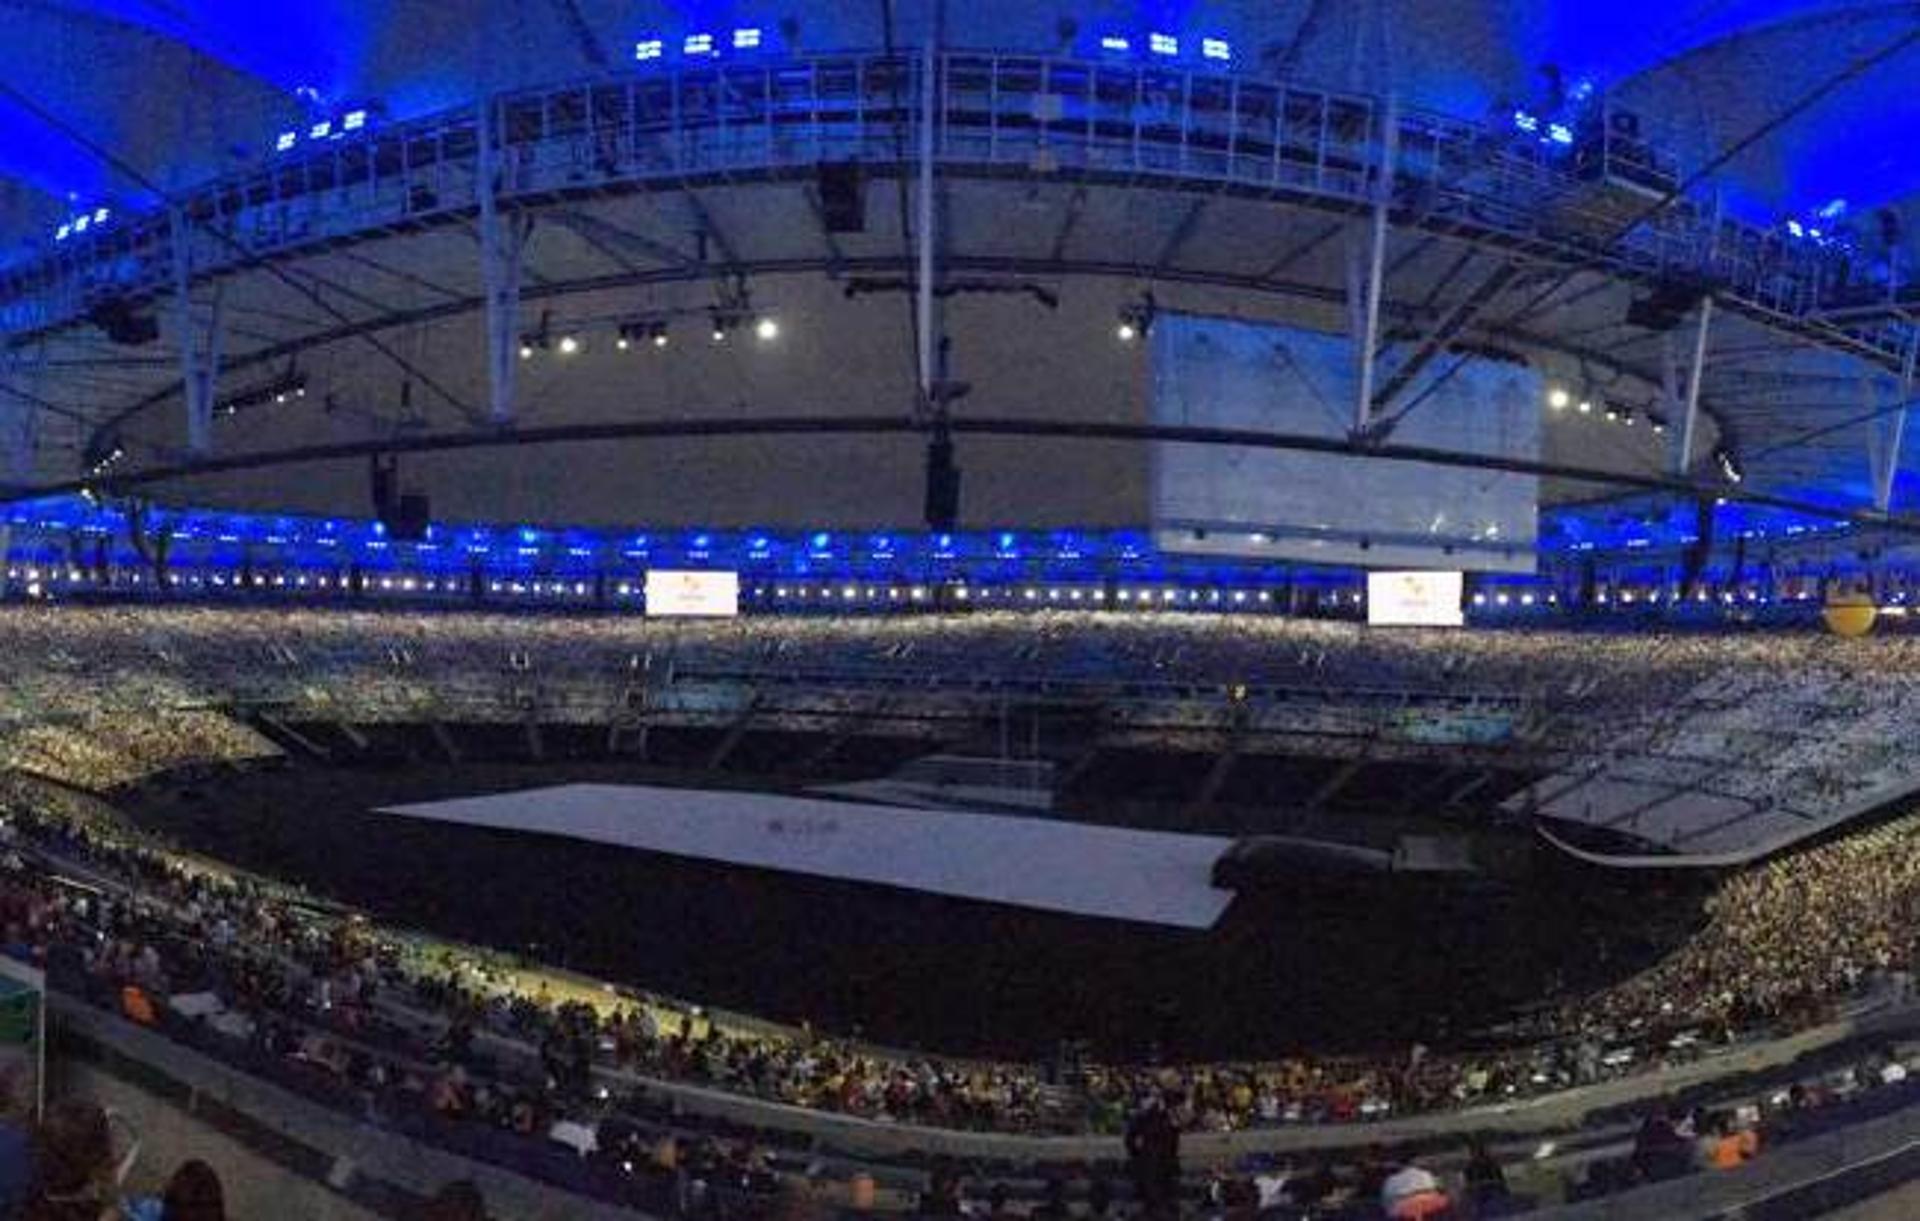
x=383 y=477
x=408 y=521
x=942 y=508
x=120 y=324
x=1665 y=308
x=843 y=196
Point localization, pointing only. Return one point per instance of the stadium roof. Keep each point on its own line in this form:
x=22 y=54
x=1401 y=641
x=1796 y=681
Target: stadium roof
x=122 y=104
x=184 y=89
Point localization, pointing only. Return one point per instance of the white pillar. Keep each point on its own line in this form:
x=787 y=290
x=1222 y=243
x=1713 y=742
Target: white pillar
x=198 y=339
x=929 y=118
x=1889 y=468
x=1690 y=412
x=1376 y=266
x=500 y=249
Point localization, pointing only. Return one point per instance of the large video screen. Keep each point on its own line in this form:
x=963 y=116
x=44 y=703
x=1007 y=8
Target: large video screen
x=1336 y=508
x=672 y=593
x=1415 y=599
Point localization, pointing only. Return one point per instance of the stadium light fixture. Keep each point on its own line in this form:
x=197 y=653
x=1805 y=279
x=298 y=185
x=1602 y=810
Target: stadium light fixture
x=1526 y=122
x=354 y=120
x=286 y=141
x=697 y=44
x=1560 y=134
x=746 y=39
x=1163 y=44
x=320 y=130
x=1216 y=49
x=648 y=49
x=767 y=329
x=570 y=345
x=1116 y=44
x=1586 y=407
x=1558 y=398
x=657 y=332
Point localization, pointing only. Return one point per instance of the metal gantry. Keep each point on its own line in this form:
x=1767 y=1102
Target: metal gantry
x=1123 y=122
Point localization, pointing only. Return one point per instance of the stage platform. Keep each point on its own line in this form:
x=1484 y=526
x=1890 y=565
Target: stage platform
x=1115 y=873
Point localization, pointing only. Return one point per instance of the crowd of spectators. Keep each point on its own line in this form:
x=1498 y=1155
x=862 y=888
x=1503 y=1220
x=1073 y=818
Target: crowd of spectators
x=396 y=1026
x=1782 y=945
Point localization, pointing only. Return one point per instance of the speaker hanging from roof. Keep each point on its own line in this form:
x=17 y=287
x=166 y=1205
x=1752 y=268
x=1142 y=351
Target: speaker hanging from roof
x=843 y=196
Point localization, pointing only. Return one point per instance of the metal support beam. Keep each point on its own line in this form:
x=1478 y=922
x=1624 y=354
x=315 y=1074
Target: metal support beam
x=1690 y=411
x=925 y=307
x=21 y=371
x=501 y=245
x=1376 y=265
x=1177 y=240
x=1888 y=469
x=199 y=340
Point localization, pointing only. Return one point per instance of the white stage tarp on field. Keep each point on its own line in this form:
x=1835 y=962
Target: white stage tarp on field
x=1118 y=873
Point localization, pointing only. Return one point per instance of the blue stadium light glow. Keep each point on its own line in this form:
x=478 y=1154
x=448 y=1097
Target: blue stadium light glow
x=1525 y=122
x=1163 y=44
x=648 y=49
x=1215 y=49
x=1559 y=133
x=1116 y=44
x=320 y=130
x=697 y=44
x=746 y=40
x=354 y=120
x=286 y=141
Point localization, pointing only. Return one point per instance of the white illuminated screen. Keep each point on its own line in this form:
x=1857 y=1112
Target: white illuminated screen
x=1334 y=508
x=673 y=593
x=1414 y=599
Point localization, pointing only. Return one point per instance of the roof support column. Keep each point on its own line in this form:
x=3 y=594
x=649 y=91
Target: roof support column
x=501 y=245
x=1690 y=410
x=925 y=315
x=20 y=378
x=1887 y=469
x=198 y=334
x=1369 y=324
x=20 y=419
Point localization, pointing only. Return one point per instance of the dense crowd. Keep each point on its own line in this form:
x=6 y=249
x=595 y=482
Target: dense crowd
x=397 y=1026
x=1782 y=945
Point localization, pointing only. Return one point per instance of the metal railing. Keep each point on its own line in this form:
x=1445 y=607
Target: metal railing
x=1048 y=117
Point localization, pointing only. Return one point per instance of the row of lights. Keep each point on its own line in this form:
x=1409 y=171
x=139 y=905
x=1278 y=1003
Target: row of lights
x=1560 y=399
x=699 y=45
x=652 y=332
x=85 y=222
x=1167 y=46
x=36 y=582
x=335 y=127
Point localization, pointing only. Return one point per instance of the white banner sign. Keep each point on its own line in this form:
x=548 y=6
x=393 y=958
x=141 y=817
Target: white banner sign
x=1414 y=599
x=673 y=593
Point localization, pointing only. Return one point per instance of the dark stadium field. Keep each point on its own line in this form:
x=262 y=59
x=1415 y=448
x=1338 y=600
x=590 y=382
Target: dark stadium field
x=1305 y=961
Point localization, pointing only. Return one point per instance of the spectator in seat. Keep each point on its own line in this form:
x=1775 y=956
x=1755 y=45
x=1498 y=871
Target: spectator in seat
x=1486 y=1182
x=16 y=1151
x=1412 y=1193
x=193 y=1194
x=74 y=1177
x=459 y=1200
